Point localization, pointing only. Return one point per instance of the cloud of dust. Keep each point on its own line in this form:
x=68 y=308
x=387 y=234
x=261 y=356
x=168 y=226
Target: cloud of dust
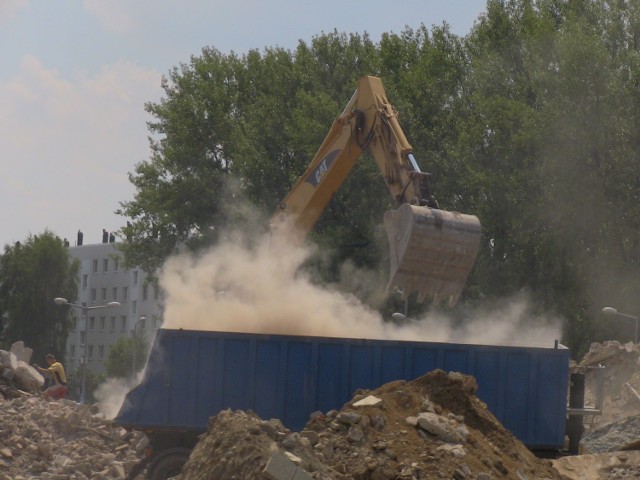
x=260 y=288
x=110 y=394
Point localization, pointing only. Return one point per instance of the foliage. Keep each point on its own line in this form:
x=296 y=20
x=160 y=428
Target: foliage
x=127 y=356
x=92 y=381
x=530 y=122
x=32 y=274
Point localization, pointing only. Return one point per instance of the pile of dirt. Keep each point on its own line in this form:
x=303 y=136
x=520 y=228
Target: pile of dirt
x=432 y=427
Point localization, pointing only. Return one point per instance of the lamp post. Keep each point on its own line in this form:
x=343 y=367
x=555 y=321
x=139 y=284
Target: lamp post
x=85 y=311
x=612 y=312
x=135 y=346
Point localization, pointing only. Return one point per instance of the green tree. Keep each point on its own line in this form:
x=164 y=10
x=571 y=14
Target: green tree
x=530 y=122
x=93 y=381
x=32 y=274
x=127 y=356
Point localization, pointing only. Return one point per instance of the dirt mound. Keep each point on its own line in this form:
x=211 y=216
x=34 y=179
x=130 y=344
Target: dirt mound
x=432 y=427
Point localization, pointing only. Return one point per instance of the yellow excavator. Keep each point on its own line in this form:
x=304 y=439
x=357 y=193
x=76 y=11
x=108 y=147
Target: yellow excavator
x=432 y=250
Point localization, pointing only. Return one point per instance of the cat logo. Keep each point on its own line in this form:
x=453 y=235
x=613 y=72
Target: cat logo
x=318 y=173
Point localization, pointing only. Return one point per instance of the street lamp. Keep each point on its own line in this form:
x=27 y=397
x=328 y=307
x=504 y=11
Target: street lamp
x=135 y=346
x=612 y=312
x=85 y=311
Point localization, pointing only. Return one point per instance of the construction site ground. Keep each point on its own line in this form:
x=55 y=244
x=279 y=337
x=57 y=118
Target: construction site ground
x=431 y=427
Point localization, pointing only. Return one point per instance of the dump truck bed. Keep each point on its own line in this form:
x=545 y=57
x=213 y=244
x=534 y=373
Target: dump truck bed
x=192 y=375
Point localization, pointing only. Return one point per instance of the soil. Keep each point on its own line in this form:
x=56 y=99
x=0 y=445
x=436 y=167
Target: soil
x=378 y=442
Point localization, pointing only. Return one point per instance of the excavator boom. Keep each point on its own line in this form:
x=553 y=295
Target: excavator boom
x=432 y=250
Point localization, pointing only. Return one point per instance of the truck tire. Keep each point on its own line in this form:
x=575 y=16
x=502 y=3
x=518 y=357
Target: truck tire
x=168 y=466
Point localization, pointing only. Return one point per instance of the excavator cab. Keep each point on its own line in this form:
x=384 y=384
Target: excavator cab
x=432 y=251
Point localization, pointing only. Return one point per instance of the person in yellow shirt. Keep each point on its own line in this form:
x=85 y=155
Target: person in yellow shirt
x=58 y=389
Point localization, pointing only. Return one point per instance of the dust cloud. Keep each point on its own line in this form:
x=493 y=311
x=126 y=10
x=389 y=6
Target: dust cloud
x=110 y=394
x=259 y=287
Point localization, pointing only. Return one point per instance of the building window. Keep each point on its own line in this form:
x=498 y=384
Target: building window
x=93 y=294
x=92 y=323
x=145 y=291
x=95 y=266
x=135 y=277
x=90 y=352
x=102 y=323
x=72 y=352
x=75 y=323
x=116 y=264
x=134 y=306
x=85 y=281
x=112 y=324
x=100 y=351
x=125 y=293
x=115 y=293
x=123 y=321
x=104 y=293
x=83 y=335
x=105 y=265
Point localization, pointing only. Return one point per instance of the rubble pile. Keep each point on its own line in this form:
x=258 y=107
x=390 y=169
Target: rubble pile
x=618 y=427
x=432 y=427
x=56 y=440
x=611 y=444
x=61 y=440
x=429 y=428
x=621 y=381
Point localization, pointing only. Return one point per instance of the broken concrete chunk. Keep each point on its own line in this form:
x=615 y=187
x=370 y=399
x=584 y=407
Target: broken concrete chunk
x=28 y=377
x=368 y=401
x=21 y=352
x=446 y=429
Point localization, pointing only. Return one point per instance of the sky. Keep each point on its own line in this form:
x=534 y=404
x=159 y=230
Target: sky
x=75 y=75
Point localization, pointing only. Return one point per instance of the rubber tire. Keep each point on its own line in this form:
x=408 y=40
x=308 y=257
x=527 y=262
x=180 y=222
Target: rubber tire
x=167 y=467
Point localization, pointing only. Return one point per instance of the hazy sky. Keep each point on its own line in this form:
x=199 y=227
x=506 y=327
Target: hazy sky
x=75 y=75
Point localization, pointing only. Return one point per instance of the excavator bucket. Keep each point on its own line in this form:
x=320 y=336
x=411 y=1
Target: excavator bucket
x=432 y=251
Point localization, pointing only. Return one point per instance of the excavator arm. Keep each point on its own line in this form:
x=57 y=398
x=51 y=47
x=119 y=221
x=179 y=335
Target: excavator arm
x=432 y=250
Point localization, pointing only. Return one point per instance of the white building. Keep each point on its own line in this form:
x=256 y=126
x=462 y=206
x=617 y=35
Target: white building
x=102 y=280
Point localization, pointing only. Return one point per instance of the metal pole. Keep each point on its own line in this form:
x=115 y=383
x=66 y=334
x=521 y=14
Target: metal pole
x=84 y=309
x=83 y=388
x=133 y=373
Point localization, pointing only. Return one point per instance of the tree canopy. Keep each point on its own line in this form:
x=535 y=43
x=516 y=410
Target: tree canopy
x=530 y=122
x=127 y=356
x=32 y=274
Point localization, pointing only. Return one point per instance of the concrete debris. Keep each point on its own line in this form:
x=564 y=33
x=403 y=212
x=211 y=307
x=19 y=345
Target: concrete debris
x=368 y=401
x=621 y=381
x=56 y=440
x=27 y=377
x=14 y=367
x=21 y=352
x=432 y=427
x=61 y=440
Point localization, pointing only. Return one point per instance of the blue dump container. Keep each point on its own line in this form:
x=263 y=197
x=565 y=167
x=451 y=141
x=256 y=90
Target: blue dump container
x=192 y=375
